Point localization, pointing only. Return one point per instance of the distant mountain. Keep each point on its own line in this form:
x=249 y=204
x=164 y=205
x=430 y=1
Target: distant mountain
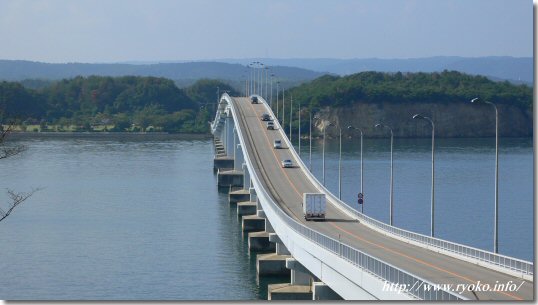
x=290 y=72
x=517 y=70
x=183 y=73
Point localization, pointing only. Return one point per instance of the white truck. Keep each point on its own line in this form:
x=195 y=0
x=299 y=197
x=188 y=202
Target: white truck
x=314 y=206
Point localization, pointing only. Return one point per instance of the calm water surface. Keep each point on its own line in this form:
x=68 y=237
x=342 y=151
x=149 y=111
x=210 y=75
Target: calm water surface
x=464 y=187
x=140 y=217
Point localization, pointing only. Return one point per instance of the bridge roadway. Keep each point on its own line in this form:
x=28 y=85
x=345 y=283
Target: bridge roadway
x=286 y=186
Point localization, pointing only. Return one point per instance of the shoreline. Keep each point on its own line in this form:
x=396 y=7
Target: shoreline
x=51 y=134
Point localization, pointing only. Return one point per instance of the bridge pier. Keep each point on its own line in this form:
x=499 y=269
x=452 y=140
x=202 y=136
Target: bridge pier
x=237 y=153
x=228 y=134
x=321 y=291
x=229 y=178
x=259 y=242
x=253 y=196
x=238 y=196
x=299 y=274
x=219 y=146
x=246 y=178
x=221 y=160
x=300 y=286
x=246 y=208
x=271 y=264
x=279 y=245
x=253 y=223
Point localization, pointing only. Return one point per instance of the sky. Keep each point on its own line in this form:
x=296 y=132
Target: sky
x=162 y=30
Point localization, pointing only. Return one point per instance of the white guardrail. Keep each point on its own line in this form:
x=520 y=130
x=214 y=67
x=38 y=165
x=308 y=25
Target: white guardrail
x=367 y=263
x=506 y=264
x=499 y=262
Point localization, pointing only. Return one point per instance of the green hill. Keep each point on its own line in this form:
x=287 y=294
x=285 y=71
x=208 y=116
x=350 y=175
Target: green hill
x=367 y=98
x=377 y=87
x=119 y=103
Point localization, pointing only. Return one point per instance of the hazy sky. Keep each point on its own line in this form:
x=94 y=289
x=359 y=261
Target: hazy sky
x=130 y=30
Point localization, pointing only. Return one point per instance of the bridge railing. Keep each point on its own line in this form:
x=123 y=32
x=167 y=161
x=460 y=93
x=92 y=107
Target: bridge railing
x=522 y=267
x=415 y=285
x=367 y=263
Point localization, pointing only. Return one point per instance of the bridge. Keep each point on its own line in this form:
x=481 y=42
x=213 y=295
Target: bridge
x=349 y=255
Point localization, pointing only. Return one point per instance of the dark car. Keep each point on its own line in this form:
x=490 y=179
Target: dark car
x=254 y=99
x=266 y=117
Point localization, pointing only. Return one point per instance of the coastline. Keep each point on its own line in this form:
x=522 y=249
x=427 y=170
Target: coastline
x=53 y=134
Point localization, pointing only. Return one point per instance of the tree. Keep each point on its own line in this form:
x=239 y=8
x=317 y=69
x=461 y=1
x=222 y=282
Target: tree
x=5 y=152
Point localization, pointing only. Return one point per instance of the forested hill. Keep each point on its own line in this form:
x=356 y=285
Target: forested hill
x=120 y=104
x=378 y=87
x=367 y=98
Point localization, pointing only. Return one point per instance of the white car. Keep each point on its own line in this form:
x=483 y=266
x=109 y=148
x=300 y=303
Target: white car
x=287 y=163
x=270 y=125
x=277 y=144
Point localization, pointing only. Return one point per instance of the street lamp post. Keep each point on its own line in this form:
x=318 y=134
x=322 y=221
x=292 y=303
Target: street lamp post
x=299 y=128
x=266 y=80
x=277 y=101
x=362 y=190
x=271 y=95
x=260 y=79
x=340 y=166
x=249 y=79
x=418 y=116
x=254 y=78
x=252 y=74
x=283 y=112
x=323 y=155
x=310 y=139
x=246 y=85
x=322 y=152
x=496 y=223
x=339 y=161
x=291 y=116
x=391 y=171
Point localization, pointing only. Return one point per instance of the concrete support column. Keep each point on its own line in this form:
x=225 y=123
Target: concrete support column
x=234 y=146
x=280 y=247
x=299 y=274
x=252 y=191
x=268 y=226
x=258 y=206
x=229 y=135
x=238 y=157
x=321 y=291
x=218 y=130
x=246 y=177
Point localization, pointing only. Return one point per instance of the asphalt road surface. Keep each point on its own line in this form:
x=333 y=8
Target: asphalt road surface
x=286 y=186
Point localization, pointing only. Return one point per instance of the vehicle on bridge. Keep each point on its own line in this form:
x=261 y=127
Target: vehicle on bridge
x=254 y=99
x=266 y=117
x=314 y=206
x=277 y=144
x=287 y=163
x=270 y=125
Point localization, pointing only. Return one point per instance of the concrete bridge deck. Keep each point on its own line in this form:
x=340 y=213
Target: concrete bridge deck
x=286 y=186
